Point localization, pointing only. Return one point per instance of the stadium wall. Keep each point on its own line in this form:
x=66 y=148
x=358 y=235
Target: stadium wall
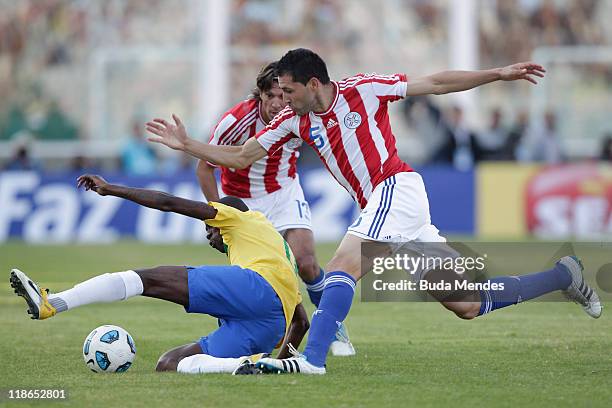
x=496 y=201
x=47 y=208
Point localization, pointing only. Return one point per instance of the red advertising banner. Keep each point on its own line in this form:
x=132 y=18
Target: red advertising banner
x=570 y=201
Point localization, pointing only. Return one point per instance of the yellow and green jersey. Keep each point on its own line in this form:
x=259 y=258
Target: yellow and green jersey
x=253 y=243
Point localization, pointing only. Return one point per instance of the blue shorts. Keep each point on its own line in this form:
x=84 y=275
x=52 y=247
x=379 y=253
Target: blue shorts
x=250 y=313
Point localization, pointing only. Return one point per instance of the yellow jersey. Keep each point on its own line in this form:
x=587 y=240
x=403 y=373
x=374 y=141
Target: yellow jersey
x=253 y=243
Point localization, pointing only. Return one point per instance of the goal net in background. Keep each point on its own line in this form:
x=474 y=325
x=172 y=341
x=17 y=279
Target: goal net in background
x=131 y=84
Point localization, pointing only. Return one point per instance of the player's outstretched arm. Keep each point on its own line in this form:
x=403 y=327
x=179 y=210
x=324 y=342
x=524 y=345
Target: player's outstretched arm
x=149 y=198
x=298 y=328
x=456 y=81
x=175 y=137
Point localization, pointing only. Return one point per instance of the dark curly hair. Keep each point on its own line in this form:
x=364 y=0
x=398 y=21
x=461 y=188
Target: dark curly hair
x=303 y=64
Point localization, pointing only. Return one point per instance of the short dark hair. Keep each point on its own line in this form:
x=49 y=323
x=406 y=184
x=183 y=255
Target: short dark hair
x=234 y=202
x=265 y=80
x=302 y=65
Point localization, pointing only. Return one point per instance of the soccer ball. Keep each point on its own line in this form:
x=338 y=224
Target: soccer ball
x=109 y=349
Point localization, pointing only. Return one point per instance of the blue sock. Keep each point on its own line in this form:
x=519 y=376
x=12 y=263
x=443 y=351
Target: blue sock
x=315 y=288
x=335 y=305
x=525 y=287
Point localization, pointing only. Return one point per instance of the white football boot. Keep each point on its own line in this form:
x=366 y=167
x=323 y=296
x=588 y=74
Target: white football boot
x=579 y=291
x=294 y=365
x=342 y=346
x=246 y=367
x=39 y=307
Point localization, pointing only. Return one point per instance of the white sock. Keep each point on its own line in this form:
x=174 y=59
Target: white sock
x=110 y=287
x=203 y=363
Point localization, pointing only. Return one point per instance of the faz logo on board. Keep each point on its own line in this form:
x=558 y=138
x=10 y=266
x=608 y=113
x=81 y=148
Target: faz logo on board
x=41 y=208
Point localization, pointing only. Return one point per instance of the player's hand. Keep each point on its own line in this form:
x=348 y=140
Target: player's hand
x=93 y=182
x=171 y=135
x=522 y=70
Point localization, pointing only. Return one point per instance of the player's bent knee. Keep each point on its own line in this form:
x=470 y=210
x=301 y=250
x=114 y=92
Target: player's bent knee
x=167 y=362
x=464 y=310
x=466 y=315
x=170 y=359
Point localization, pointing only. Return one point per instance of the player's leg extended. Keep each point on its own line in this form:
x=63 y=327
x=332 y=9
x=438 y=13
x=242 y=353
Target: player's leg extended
x=397 y=209
x=344 y=271
x=190 y=359
x=566 y=276
x=167 y=283
x=164 y=282
x=301 y=241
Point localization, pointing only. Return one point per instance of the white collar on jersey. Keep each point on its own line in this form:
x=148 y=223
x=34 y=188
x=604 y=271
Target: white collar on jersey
x=333 y=105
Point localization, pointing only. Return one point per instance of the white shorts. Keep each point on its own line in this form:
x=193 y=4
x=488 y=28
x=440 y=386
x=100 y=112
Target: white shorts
x=397 y=211
x=285 y=208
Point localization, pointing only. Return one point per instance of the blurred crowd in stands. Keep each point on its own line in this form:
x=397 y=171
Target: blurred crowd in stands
x=510 y=29
x=46 y=50
x=455 y=143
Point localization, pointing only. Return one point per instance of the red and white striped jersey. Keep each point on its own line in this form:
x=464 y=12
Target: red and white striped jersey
x=353 y=138
x=267 y=174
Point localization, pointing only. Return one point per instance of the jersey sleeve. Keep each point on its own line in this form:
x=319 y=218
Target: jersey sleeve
x=284 y=127
x=221 y=132
x=227 y=217
x=232 y=124
x=389 y=88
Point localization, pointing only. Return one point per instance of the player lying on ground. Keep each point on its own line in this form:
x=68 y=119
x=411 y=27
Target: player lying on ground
x=255 y=298
x=347 y=123
x=270 y=185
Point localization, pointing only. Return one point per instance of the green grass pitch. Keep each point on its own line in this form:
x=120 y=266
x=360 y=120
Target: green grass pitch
x=409 y=354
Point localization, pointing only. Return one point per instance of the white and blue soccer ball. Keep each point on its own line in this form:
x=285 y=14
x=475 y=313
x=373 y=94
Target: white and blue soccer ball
x=109 y=349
